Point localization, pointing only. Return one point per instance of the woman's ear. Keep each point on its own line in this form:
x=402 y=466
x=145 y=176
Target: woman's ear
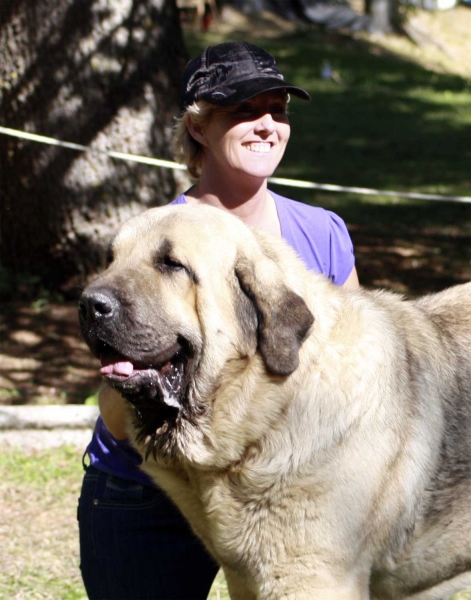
x=196 y=131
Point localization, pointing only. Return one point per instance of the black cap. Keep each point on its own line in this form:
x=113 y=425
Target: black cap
x=232 y=73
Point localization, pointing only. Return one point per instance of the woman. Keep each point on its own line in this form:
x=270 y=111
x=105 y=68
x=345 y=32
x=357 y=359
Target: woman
x=232 y=134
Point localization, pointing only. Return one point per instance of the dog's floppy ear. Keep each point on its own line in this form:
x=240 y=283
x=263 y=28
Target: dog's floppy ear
x=283 y=317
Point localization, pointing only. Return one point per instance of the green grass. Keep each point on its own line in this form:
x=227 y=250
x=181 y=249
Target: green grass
x=36 y=471
x=38 y=503
x=39 y=554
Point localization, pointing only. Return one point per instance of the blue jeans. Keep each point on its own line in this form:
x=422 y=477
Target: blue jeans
x=135 y=544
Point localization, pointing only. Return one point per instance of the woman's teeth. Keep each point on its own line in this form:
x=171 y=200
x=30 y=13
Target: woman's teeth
x=258 y=147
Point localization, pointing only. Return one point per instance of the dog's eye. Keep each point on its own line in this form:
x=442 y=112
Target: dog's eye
x=109 y=254
x=168 y=263
x=172 y=263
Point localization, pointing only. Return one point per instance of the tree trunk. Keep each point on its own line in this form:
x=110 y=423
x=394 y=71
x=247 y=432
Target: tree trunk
x=104 y=73
x=384 y=16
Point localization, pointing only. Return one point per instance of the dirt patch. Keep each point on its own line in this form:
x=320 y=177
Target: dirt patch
x=43 y=359
x=412 y=263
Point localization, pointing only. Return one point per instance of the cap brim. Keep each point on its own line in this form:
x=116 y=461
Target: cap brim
x=245 y=90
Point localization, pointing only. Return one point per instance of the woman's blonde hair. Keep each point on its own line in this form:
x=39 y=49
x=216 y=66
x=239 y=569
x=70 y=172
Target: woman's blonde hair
x=186 y=149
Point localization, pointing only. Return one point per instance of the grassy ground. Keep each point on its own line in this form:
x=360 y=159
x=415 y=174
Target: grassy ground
x=39 y=554
x=38 y=504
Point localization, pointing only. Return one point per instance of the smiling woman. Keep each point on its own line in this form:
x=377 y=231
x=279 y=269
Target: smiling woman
x=246 y=140
x=231 y=134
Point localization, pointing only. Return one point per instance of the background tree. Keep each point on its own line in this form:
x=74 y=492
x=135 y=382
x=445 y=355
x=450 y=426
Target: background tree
x=384 y=16
x=103 y=73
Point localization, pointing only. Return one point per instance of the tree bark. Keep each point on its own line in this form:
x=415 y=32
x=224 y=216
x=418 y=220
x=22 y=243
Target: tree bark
x=104 y=73
x=384 y=16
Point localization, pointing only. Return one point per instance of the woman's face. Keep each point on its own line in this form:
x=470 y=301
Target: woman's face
x=249 y=138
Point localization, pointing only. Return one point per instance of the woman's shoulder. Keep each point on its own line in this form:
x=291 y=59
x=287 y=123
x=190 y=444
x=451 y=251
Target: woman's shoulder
x=180 y=200
x=319 y=236
x=307 y=216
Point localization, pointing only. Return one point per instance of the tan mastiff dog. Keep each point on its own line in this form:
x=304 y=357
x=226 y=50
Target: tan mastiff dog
x=318 y=440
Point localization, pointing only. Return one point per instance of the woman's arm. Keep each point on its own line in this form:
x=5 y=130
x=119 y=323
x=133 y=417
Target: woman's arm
x=352 y=282
x=113 y=411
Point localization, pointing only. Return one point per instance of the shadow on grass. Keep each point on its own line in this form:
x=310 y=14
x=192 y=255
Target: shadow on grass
x=388 y=124
x=42 y=357
x=410 y=247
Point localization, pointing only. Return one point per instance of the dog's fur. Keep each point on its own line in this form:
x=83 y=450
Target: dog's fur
x=318 y=440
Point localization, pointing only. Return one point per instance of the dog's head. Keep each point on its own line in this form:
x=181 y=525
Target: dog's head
x=190 y=290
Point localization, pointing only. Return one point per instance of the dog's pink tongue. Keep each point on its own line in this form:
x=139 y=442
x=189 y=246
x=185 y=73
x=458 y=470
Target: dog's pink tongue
x=118 y=368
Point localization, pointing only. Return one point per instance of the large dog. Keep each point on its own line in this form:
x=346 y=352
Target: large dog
x=318 y=440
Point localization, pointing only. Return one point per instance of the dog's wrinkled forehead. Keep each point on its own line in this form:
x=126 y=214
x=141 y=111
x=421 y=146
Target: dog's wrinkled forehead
x=189 y=229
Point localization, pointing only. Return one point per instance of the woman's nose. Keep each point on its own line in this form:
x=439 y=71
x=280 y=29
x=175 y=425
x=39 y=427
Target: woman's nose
x=265 y=123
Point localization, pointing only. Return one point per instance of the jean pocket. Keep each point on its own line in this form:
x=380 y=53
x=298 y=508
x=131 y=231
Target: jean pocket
x=117 y=488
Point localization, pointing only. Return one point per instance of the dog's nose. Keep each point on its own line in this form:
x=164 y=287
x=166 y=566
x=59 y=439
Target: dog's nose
x=97 y=305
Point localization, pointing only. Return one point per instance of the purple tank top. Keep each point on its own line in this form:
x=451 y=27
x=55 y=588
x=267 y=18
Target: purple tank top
x=321 y=240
